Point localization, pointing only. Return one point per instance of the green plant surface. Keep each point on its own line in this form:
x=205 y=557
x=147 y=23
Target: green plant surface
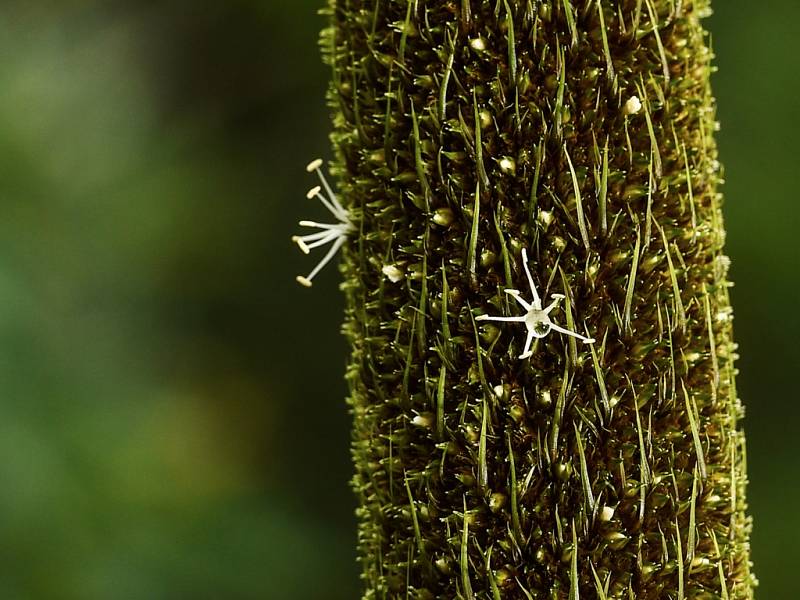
x=584 y=133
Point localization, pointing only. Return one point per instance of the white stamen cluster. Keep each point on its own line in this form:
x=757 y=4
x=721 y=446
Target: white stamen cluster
x=330 y=233
x=536 y=319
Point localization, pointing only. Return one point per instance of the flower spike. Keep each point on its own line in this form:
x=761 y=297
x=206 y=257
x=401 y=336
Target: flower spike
x=330 y=233
x=537 y=319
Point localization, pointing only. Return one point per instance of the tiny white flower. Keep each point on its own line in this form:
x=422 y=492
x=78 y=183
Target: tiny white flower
x=607 y=513
x=478 y=44
x=330 y=233
x=507 y=165
x=536 y=319
x=632 y=106
x=393 y=272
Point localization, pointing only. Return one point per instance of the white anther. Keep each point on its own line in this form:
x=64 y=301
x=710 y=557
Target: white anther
x=537 y=319
x=301 y=244
x=314 y=165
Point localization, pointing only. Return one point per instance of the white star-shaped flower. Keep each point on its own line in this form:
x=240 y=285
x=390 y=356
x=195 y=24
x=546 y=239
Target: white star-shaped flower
x=536 y=319
x=335 y=233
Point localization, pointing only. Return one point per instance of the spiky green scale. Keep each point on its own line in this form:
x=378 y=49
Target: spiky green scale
x=594 y=150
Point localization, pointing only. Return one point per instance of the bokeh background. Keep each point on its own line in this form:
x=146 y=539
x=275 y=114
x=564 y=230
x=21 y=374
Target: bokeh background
x=172 y=422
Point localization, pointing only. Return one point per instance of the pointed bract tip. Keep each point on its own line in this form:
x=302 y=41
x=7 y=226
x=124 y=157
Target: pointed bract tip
x=303 y=281
x=314 y=165
x=313 y=192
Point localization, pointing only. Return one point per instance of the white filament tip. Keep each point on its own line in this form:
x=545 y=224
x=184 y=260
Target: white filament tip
x=313 y=192
x=303 y=281
x=314 y=165
x=482 y=318
x=301 y=244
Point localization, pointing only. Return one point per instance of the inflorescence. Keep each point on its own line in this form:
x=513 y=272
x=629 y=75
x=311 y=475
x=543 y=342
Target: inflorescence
x=467 y=135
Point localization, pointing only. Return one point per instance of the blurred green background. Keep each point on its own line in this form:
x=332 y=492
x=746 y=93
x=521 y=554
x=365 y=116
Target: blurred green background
x=172 y=422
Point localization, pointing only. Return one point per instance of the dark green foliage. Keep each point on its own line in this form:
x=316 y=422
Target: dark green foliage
x=466 y=131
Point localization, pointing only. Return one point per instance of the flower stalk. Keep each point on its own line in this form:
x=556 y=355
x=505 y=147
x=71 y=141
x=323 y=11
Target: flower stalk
x=580 y=132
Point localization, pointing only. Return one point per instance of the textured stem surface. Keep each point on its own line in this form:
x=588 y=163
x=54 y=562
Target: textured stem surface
x=582 y=131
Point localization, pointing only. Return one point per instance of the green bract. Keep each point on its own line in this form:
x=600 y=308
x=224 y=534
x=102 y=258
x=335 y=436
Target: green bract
x=583 y=132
